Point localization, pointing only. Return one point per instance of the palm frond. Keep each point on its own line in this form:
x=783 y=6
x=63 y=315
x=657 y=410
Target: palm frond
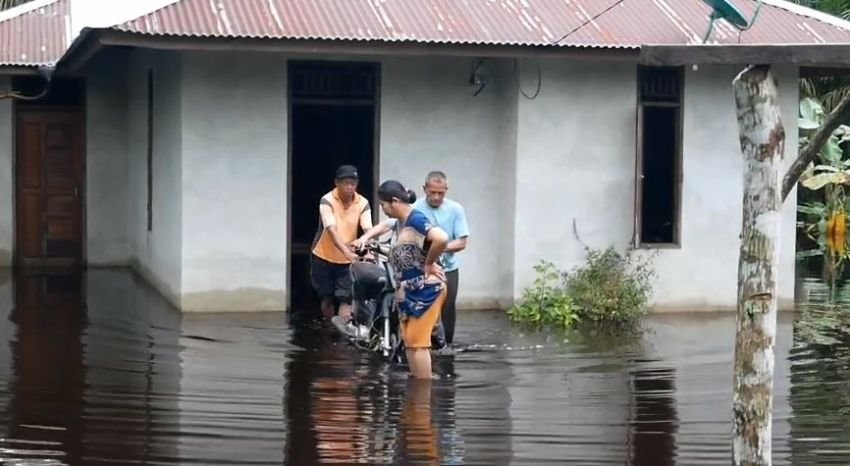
x=6 y=4
x=808 y=88
x=833 y=97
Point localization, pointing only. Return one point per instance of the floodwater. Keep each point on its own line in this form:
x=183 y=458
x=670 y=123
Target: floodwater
x=98 y=369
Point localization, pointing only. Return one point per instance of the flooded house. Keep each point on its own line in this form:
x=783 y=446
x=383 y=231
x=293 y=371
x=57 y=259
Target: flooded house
x=191 y=140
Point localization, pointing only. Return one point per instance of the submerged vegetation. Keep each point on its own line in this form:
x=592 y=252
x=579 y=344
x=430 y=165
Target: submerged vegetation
x=609 y=288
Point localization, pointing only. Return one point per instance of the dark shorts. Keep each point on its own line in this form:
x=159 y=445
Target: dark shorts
x=330 y=280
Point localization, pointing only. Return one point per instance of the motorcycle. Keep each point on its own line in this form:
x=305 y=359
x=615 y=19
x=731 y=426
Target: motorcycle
x=375 y=321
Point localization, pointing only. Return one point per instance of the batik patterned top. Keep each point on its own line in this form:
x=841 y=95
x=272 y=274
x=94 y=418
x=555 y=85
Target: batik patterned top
x=407 y=256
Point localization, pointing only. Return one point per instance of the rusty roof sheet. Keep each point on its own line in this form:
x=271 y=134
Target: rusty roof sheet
x=576 y=23
x=38 y=33
x=34 y=34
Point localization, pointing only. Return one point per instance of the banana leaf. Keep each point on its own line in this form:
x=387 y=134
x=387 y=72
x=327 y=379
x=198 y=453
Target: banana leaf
x=818 y=181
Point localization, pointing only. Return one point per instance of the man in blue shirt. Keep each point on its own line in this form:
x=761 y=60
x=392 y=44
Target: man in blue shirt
x=451 y=218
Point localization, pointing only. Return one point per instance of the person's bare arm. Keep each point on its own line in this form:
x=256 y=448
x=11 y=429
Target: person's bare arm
x=456 y=245
x=374 y=232
x=460 y=229
x=439 y=239
x=329 y=222
x=366 y=218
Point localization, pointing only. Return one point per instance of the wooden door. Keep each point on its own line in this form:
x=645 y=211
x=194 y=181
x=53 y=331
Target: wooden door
x=49 y=185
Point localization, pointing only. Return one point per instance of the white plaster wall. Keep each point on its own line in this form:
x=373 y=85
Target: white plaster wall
x=234 y=182
x=106 y=163
x=7 y=173
x=576 y=162
x=157 y=254
x=704 y=272
x=507 y=163
x=431 y=121
x=524 y=169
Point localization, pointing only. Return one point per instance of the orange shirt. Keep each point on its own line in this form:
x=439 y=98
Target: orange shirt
x=347 y=221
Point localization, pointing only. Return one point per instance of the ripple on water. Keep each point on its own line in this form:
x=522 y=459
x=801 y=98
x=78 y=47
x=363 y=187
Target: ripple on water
x=126 y=379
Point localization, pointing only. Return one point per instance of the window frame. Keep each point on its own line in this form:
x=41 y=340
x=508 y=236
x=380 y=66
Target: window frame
x=637 y=241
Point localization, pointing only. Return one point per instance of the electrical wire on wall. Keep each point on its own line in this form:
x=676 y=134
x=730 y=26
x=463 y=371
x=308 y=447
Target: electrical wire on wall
x=519 y=84
x=564 y=37
x=19 y=96
x=12 y=94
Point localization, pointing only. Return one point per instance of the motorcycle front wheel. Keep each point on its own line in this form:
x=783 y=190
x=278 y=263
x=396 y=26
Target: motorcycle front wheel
x=396 y=353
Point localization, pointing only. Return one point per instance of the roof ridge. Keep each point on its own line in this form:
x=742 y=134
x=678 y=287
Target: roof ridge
x=166 y=4
x=807 y=12
x=24 y=8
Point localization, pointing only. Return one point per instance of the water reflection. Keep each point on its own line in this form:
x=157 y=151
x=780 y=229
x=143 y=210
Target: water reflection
x=654 y=419
x=97 y=368
x=343 y=406
x=46 y=410
x=820 y=378
x=83 y=378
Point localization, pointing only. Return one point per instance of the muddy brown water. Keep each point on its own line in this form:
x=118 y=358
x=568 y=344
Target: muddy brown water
x=98 y=369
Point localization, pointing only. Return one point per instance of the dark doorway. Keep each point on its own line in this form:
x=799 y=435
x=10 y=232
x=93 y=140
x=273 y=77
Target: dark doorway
x=332 y=121
x=49 y=175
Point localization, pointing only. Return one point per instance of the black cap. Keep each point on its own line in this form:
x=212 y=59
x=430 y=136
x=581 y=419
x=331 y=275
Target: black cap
x=347 y=171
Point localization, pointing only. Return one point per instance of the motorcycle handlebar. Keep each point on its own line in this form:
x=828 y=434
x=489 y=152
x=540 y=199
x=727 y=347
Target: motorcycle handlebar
x=375 y=247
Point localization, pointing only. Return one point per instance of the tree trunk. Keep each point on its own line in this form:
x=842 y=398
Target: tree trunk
x=762 y=144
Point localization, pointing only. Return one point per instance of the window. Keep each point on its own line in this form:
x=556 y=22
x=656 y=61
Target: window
x=659 y=159
x=150 y=150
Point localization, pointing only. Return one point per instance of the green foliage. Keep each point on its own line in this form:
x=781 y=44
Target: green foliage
x=840 y=8
x=6 y=4
x=545 y=302
x=610 y=288
x=824 y=221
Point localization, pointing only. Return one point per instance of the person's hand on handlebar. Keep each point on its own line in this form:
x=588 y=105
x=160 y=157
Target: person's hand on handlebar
x=358 y=245
x=351 y=256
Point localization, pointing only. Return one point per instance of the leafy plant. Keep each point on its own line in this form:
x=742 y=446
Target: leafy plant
x=825 y=222
x=611 y=287
x=545 y=302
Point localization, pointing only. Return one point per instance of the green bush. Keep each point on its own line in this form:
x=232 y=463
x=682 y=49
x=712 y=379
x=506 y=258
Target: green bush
x=610 y=288
x=545 y=302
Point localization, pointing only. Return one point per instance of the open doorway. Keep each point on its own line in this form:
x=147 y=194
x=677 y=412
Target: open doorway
x=333 y=116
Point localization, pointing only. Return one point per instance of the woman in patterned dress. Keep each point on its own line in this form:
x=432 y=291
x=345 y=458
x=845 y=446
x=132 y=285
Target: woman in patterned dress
x=420 y=280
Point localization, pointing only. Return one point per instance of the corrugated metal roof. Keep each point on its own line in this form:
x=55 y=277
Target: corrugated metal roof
x=628 y=24
x=39 y=33
x=34 y=34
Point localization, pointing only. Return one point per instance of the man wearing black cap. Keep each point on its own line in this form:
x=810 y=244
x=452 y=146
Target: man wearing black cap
x=341 y=212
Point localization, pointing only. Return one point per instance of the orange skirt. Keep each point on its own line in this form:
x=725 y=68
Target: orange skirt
x=416 y=331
